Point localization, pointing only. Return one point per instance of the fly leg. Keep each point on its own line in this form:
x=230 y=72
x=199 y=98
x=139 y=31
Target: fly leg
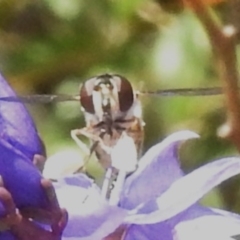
x=74 y=134
x=97 y=140
x=93 y=137
x=88 y=151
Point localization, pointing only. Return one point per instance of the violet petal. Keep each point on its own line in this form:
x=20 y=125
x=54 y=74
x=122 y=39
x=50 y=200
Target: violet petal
x=89 y=216
x=149 y=232
x=79 y=180
x=226 y=213
x=182 y=227
x=198 y=211
x=207 y=227
x=16 y=125
x=158 y=168
x=192 y=212
x=187 y=190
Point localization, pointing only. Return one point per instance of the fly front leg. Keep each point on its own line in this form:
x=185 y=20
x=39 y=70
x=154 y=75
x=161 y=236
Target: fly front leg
x=77 y=132
x=91 y=136
x=97 y=141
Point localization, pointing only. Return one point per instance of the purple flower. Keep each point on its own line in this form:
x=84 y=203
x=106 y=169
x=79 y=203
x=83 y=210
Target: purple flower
x=157 y=201
x=21 y=184
x=19 y=142
x=16 y=126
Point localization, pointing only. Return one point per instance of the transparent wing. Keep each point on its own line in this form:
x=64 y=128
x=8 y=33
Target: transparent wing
x=184 y=92
x=41 y=99
x=45 y=98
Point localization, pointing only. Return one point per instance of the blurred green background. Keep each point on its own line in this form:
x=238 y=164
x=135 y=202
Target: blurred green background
x=49 y=46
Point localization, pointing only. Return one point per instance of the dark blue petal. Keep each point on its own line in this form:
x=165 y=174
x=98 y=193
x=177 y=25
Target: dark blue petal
x=2 y=210
x=159 y=170
x=16 y=125
x=21 y=178
x=7 y=236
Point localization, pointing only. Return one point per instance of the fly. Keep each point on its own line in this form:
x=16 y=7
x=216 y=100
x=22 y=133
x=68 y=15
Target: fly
x=110 y=107
x=112 y=110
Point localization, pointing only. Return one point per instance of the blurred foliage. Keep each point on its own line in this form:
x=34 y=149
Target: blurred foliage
x=52 y=46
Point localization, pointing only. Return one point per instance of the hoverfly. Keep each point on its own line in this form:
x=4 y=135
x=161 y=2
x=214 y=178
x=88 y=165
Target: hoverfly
x=111 y=108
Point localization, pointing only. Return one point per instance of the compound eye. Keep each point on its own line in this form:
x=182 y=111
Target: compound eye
x=125 y=94
x=86 y=97
x=96 y=88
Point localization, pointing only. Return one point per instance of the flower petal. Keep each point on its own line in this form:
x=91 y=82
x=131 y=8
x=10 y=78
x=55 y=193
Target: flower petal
x=105 y=220
x=192 y=212
x=186 y=191
x=158 y=168
x=90 y=217
x=21 y=179
x=195 y=212
x=149 y=232
x=226 y=214
x=78 y=180
x=62 y=164
x=207 y=227
x=7 y=236
x=16 y=125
